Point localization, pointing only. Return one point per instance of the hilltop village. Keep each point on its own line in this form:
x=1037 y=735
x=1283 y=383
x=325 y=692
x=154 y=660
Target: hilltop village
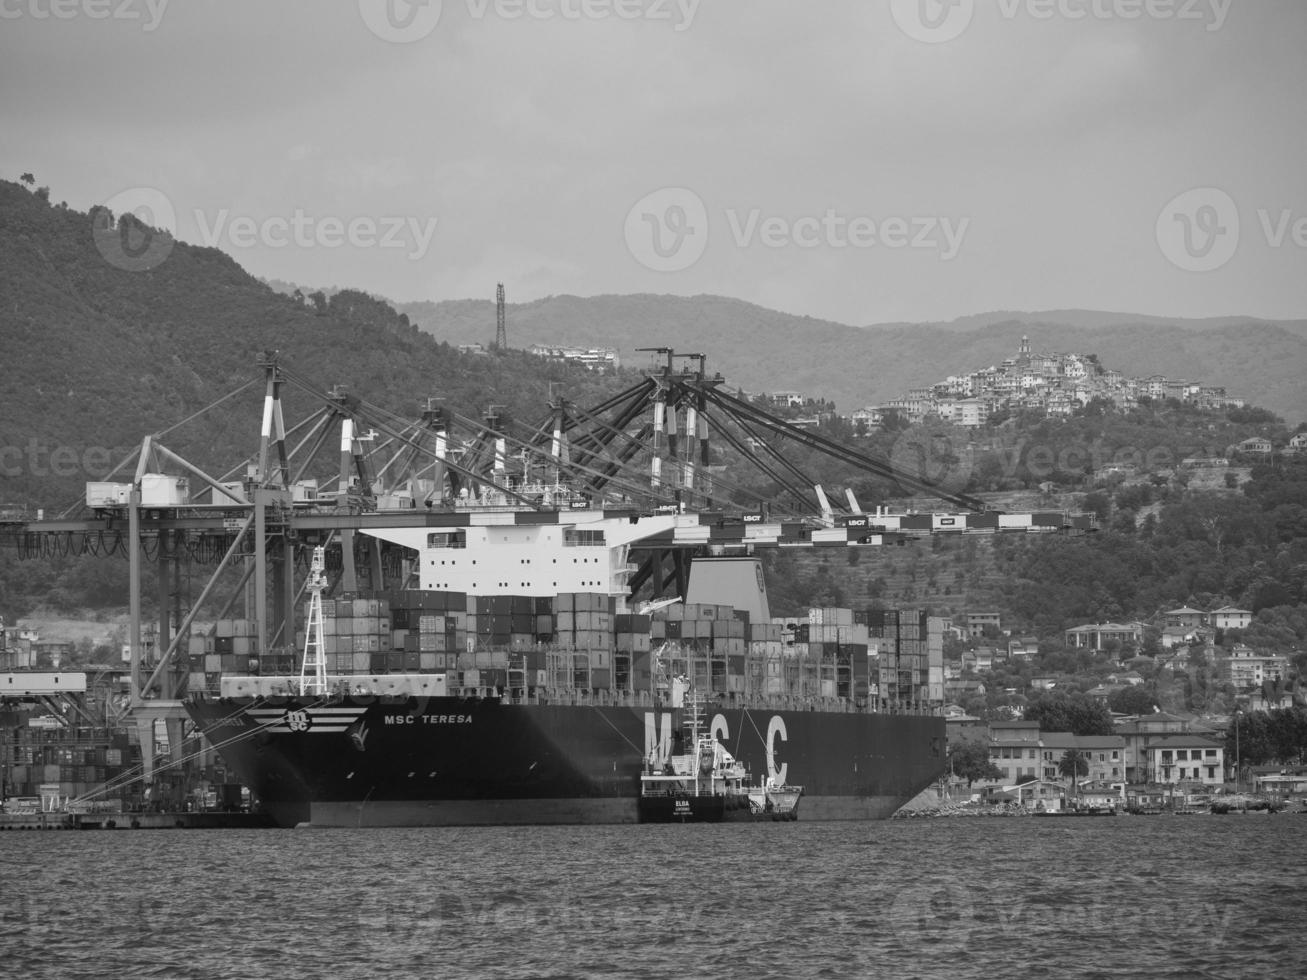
x=1052 y=385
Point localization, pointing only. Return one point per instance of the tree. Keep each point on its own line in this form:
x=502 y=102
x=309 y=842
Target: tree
x=1248 y=739
x=1132 y=700
x=28 y=179
x=1077 y=714
x=970 y=760
x=892 y=420
x=1073 y=765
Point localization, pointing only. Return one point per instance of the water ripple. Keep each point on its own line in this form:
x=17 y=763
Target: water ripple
x=963 y=899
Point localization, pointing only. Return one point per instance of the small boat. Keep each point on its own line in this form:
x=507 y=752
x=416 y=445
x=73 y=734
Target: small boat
x=709 y=785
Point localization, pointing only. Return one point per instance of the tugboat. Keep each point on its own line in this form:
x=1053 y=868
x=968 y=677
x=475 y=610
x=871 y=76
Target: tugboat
x=709 y=785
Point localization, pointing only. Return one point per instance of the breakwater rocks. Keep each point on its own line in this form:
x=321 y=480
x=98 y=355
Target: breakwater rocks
x=965 y=810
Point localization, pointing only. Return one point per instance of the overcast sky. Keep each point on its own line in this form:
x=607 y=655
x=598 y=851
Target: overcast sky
x=857 y=160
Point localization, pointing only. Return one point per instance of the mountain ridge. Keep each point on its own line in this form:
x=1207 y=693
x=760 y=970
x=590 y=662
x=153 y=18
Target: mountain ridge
x=766 y=350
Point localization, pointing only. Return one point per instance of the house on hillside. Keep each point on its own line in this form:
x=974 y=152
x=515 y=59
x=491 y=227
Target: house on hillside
x=1230 y=618
x=1099 y=635
x=1181 y=635
x=1245 y=667
x=1260 y=699
x=960 y=690
x=1255 y=446
x=1023 y=648
x=1185 y=616
x=1102 y=692
x=977 y=621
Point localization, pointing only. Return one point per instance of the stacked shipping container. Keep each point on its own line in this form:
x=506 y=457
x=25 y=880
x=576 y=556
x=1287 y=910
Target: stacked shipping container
x=577 y=640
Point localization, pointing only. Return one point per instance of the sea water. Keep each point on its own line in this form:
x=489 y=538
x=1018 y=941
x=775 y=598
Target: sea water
x=1157 y=897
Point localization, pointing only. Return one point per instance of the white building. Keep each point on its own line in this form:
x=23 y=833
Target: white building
x=1230 y=618
x=1186 y=758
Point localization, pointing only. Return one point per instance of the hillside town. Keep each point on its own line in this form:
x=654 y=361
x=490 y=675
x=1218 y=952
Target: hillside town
x=1153 y=760
x=1054 y=384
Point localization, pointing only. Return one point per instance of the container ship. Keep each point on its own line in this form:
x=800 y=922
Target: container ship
x=504 y=617
x=543 y=702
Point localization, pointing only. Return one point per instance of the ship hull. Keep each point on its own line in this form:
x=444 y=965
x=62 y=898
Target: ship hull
x=445 y=761
x=707 y=809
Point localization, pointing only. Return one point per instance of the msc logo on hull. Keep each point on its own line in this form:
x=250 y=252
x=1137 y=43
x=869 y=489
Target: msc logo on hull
x=658 y=740
x=306 y=720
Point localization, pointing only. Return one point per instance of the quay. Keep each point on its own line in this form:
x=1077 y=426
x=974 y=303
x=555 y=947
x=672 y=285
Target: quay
x=180 y=820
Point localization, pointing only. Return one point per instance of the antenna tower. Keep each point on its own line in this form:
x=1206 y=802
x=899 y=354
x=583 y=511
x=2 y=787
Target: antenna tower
x=501 y=332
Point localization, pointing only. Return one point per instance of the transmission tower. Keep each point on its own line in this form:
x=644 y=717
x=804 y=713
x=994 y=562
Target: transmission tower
x=501 y=333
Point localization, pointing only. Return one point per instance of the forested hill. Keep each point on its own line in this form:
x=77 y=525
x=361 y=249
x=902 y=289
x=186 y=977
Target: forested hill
x=95 y=355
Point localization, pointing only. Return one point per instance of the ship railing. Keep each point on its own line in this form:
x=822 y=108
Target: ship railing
x=728 y=700
x=578 y=697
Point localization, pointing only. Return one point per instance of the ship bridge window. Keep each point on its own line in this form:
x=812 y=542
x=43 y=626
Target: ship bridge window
x=577 y=538
x=447 y=539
